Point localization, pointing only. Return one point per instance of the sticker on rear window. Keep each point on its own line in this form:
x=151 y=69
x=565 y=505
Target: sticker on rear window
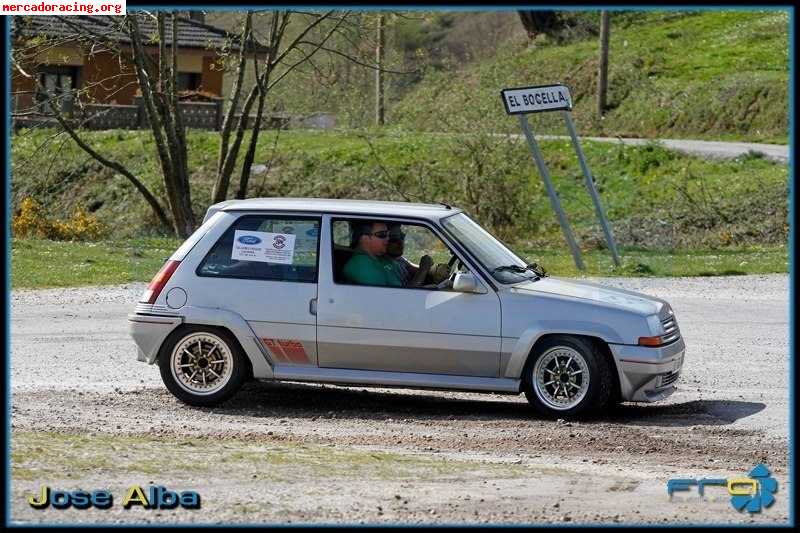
x=263 y=246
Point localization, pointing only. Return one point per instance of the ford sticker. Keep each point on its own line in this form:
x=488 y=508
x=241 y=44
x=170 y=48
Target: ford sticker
x=249 y=239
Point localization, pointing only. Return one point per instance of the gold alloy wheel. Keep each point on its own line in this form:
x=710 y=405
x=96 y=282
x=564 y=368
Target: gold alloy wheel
x=201 y=363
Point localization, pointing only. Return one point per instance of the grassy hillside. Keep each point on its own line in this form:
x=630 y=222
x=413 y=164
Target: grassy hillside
x=705 y=74
x=655 y=198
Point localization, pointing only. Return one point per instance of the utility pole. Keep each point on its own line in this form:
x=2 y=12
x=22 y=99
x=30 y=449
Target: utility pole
x=602 y=75
x=379 y=109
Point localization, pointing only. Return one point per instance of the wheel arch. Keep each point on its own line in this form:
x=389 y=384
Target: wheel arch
x=236 y=325
x=600 y=346
x=188 y=326
x=600 y=343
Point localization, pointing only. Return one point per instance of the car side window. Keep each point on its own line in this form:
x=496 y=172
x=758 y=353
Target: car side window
x=413 y=255
x=268 y=247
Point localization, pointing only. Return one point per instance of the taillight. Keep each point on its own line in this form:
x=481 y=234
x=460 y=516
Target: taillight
x=154 y=289
x=651 y=341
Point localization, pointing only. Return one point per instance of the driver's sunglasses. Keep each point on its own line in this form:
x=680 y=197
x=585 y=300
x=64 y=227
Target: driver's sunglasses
x=383 y=234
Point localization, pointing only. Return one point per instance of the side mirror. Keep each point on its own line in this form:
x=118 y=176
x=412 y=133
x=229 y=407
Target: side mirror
x=466 y=282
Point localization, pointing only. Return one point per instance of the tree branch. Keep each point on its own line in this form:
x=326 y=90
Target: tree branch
x=233 y=102
x=306 y=56
x=302 y=34
x=155 y=206
x=357 y=62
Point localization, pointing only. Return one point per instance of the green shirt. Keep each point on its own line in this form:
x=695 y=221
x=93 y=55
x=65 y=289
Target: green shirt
x=365 y=269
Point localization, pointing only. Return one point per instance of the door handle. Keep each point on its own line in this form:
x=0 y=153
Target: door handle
x=312 y=306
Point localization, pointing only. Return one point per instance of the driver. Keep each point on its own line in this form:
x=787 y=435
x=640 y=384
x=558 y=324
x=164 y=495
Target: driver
x=369 y=264
x=411 y=275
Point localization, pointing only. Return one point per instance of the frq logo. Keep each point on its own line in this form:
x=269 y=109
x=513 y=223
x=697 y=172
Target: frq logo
x=279 y=241
x=249 y=239
x=313 y=232
x=765 y=486
x=746 y=493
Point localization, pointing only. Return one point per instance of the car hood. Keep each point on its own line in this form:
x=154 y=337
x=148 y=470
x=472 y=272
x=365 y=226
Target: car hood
x=620 y=298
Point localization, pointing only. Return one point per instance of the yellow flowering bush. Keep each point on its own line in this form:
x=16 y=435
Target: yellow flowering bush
x=32 y=221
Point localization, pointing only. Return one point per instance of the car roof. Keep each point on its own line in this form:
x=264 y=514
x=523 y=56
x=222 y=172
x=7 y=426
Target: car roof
x=338 y=206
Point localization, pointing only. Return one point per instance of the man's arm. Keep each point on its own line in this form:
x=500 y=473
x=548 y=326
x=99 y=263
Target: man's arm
x=425 y=264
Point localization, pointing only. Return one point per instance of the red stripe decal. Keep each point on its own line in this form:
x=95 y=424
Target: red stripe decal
x=294 y=351
x=275 y=349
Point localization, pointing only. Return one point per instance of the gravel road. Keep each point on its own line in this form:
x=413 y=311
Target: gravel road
x=778 y=153
x=86 y=414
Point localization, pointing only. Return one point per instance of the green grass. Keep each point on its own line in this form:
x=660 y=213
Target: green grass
x=39 y=263
x=42 y=264
x=726 y=262
x=48 y=455
x=710 y=74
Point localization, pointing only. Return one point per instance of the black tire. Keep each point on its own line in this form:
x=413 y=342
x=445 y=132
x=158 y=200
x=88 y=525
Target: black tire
x=594 y=395
x=233 y=371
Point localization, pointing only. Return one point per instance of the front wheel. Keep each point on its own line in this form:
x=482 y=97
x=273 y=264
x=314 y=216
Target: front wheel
x=201 y=365
x=566 y=377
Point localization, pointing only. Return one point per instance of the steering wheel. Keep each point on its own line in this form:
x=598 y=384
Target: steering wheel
x=451 y=273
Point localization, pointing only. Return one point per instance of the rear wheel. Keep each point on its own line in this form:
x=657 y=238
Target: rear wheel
x=567 y=376
x=202 y=365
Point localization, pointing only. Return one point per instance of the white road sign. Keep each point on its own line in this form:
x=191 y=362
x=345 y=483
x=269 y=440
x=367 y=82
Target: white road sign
x=536 y=99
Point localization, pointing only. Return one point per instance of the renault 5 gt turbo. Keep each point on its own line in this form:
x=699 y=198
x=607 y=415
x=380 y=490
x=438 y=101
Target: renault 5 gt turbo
x=391 y=294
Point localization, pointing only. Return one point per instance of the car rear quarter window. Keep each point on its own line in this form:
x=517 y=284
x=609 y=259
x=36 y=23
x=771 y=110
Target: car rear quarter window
x=268 y=247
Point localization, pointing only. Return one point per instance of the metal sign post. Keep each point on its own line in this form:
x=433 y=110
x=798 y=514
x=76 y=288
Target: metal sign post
x=523 y=100
x=551 y=192
x=598 y=208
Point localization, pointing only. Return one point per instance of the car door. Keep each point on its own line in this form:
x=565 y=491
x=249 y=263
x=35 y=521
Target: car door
x=404 y=329
x=264 y=267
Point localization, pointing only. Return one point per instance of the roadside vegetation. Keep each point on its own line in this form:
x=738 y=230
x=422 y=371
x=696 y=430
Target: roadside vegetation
x=655 y=198
x=672 y=214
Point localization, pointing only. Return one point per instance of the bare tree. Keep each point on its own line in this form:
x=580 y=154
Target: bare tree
x=157 y=82
x=293 y=38
x=379 y=52
x=310 y=37
x=159 y=94
x=23 y=60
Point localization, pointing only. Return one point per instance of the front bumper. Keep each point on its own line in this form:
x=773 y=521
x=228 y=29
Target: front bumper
x=648 y=374
x=149 y=332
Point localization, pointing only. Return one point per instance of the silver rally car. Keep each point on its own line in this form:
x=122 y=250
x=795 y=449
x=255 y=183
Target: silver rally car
x=261 y=291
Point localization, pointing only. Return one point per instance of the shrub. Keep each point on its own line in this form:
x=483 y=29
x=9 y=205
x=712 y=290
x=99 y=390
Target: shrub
x=32 y=221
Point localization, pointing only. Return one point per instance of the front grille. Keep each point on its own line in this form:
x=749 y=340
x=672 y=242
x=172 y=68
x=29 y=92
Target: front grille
x=669 y=378
x=671 y=331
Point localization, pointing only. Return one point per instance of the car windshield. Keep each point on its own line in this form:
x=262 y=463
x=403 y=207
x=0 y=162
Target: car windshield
x=503 y=264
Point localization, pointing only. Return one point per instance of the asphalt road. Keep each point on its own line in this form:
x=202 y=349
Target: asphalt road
x=74 y=372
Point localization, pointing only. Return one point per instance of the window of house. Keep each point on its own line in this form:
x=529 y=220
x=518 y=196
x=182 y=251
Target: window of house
x=278 y=248
x=188 y=81
x=57 y=80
